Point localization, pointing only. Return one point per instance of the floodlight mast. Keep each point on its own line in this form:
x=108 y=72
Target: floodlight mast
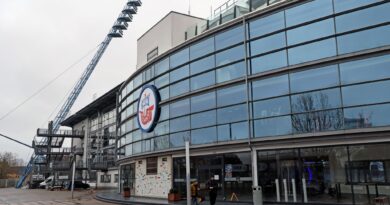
x=116 y=32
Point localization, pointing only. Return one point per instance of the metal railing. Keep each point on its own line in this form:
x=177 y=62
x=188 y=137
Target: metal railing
x=44 y=132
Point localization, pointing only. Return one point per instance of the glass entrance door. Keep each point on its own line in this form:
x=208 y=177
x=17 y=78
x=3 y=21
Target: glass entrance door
x=128 y=177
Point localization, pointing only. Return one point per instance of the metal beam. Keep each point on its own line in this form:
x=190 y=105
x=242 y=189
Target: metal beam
x=17 y=141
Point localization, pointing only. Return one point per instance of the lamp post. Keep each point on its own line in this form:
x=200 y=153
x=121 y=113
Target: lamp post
x=188 y=176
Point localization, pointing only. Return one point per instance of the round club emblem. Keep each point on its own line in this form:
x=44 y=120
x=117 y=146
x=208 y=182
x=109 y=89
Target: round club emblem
x=148 y=108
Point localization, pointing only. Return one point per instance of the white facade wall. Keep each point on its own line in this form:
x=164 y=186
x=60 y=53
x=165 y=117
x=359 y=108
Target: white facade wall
x=156 y=186
x=112 y=183
x=166 y=34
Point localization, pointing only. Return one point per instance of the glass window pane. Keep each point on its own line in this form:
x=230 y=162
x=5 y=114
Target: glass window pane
x=266 y=127
x=314 y=79
x=312 y=51
x=365 y=70
x=318 y=121
x=203 y=102
x=308 y=11
x=231 y=72
x=203 y=119
x=368 y=93
x=320 y=100
x=162 y=81
x=180 y=57
x=310 y=32
x=270 y=87
x=164 y=114
x=367 y=39
x=202 y=81
x=180 y=73
x=180 y=88
x=180 y=124
x=161 y=66
x=272 y=107
x=137 y=80
x=231 y=55
x=363 y=18
x=266 y=24
x=269 y=62
x=162 y=128
x=224 y=133
x=202 y=65
x=202 y=48
x=240 y=131
x=229 y=37
x=161 y=143
x=232 y=114
x=137 y=135
x=341 y=5
x=367 y=116
x=137 y=147
x=268 y=43
x=179 y=139
x=179 y=108
x=164 y=93
x=231 y=95
x=204 y=136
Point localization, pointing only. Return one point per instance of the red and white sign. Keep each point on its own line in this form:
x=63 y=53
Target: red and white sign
x=148 y=108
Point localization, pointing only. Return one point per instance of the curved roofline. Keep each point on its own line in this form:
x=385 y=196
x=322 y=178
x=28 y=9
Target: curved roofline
x=208 y=33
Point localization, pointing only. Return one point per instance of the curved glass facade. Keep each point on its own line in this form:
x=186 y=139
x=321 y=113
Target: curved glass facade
x=291 y=74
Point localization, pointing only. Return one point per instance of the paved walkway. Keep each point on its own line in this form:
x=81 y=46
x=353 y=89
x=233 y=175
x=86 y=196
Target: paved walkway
x=119 y=199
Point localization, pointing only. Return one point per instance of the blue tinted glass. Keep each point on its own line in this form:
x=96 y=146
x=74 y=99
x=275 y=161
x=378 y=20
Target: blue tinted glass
x=367 y=116
x=310 y=32
x=269 y=62
x=229 y=37
x=162 y=81
x=179 y=139
x=231 y=72
x=231 y=95
x=365 y=70
x=204 y=135
x=224 y=133
x=314 y=79
x=161 y=143
x=203 y=102
x=367 y=39
x=342 y=5
x=363 y=18
x=266 y=127
x=272 y=107
x=231 y=55
x=164 y=93
x=202 y=48
x=203 y=80
x=202 y=65
x=368 y=93
x=162 y=128
x=268 y=43
x=240 y=131
x=317 y=121
x=161 y=66
x=308 y=11
x=180 y=88
x=203 y=119
x=266 y=24
x=180 y=57
x=164 y=114
x=312 y=51
x=180 y=73
x=137 y=93
x=270 y=87
x=232 y=114
x=180 y=124
x=137 y=80
x=320 y=100
x=137 y=147
x=137 y=135
x=180 y=108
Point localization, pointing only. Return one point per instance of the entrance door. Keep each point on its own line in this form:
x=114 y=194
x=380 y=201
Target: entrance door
x=128 y=177
x=208 y=167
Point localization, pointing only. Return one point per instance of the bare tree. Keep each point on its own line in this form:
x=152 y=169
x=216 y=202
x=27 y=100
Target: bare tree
x=8 y=160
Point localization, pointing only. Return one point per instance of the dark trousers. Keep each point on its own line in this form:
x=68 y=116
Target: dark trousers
x=213 y=197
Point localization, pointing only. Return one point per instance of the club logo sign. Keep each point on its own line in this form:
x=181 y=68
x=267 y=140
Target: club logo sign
x=148 y=108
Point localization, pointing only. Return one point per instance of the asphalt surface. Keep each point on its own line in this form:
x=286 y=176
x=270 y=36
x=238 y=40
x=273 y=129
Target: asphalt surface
x=11 y=196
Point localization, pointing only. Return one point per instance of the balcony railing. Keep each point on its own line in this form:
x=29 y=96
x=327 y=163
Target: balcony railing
x=60 y=133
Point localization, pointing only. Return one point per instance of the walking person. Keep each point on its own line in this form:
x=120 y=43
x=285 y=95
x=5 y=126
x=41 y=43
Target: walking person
x=194 y=193
x=212 y=186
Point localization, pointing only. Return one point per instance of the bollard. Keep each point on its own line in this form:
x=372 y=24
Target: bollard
x=257 y=195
